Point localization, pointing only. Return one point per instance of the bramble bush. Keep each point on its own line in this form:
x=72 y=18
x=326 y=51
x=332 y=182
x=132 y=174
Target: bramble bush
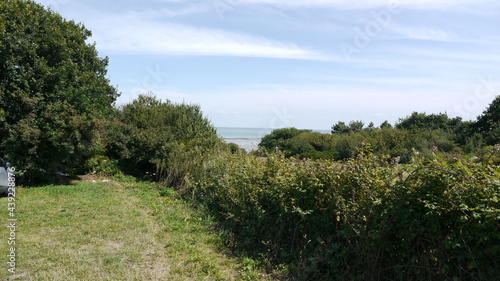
x=365 y=218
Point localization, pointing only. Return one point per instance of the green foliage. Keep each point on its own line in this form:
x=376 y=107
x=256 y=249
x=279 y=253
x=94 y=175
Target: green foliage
x=432 y=121
x=367 y=218
x=394 y=142
x=165 y=140
x=340 y=128
x=385 y=124
x=458 y=129
x=489 y=122
x=235 y=149
x=362 y=218
x=103 y=166
x=53 y=91
x=354 y=126
x=278 y=137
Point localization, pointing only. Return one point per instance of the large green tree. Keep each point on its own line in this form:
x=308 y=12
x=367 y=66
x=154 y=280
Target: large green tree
x=53 y=90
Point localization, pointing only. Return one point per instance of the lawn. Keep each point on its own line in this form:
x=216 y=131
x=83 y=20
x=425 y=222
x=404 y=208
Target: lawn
x=114 y=230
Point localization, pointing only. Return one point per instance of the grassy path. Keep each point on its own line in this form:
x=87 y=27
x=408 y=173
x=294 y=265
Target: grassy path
x=114 y=231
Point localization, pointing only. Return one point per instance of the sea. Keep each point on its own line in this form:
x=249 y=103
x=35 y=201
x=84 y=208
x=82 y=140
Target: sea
x=247 y=138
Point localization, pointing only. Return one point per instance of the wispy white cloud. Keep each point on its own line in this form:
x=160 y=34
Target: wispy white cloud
x=139 y=33
x=452 y=44
x=349 y=4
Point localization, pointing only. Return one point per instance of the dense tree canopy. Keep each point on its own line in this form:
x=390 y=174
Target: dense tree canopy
x=429 y=121
x=53 y=90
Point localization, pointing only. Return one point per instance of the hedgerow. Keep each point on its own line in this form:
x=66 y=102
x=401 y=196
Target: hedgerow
x=365 y=218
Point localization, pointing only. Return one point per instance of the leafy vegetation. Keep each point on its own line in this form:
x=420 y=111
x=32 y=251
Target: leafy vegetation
x=488 y=124
x=413 y=201
x=368 y=218
x=427 y=133
x=53 y=91
x=165 y=140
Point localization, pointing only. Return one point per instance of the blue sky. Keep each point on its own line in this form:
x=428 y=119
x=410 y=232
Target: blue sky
x=306 y=64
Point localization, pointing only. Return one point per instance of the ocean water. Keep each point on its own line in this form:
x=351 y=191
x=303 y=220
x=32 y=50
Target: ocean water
x=246 y=138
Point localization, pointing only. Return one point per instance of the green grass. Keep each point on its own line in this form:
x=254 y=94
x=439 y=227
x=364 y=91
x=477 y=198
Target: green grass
x=115 y=231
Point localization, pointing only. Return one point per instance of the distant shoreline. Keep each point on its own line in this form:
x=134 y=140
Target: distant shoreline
x=228 y=132
x=247 y=144
x=247 y=138
x=240 y=133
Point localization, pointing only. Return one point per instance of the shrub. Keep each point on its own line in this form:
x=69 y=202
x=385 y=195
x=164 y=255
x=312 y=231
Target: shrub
x=164 y=140
x=361 y=219
x=278 y=138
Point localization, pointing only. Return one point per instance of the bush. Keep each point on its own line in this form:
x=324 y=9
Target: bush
x=279 y=137
x=385 y=141
x=362 y=219
x=163 y=140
